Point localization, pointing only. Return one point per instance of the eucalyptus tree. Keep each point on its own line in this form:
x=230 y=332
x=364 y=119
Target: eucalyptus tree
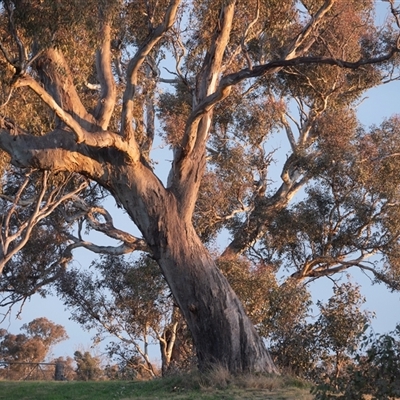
x=96 y=70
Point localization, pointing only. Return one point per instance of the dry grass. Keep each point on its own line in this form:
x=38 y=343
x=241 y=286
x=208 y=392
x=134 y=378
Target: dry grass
x=218 y=381
x=220 y=378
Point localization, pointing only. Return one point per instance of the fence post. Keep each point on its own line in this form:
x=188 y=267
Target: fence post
x=59 y=371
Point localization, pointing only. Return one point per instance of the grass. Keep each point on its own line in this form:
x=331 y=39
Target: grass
x=217 y=385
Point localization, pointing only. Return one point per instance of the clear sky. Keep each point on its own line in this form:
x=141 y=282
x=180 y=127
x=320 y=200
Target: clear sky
x=379 y=103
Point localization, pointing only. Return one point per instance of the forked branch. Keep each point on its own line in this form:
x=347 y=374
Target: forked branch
x=132 y=73
x=93 y=217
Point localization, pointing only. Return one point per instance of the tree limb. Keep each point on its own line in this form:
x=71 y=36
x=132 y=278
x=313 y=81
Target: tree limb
x=58 y=148
x=133 y=69
x=56 y=77
x=292 y=50
x=130 y=242
x=19 y=236
x=105 y=106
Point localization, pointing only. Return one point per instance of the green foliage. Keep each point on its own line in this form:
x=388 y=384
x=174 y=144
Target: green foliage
x=129 y=299
x=374 y=372
x=136 y=303
x=271 y=307
x=342 y=321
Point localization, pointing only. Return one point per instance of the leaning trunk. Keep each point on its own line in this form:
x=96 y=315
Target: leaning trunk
x=221 y=330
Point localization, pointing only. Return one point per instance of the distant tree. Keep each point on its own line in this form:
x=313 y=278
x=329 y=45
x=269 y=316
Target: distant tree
x=88 y=367
x=374 y=372
x=129 y=300
x=46 y=331
x=320 y=348
x=341 y=325
x=33 y=346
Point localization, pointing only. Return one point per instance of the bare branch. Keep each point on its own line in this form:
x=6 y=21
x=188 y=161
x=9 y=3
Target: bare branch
x=31 y=145
x=105 y=106
x=130 y=242
x=19 y=65
x=26 y=80
x=289 y=133
x=45 y=204
x=133 y=69
x=257 y=222
x=396 y=14
x=179 y=53
x=112 y=250
x=293 y=49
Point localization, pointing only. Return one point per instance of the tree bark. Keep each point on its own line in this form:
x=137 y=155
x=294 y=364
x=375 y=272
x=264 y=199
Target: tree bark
x=222 y=332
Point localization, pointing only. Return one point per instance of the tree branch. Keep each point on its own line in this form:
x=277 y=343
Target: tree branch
x=189 y=159
x=272 y=67
x=105 y=106
x=132 y=73
x=26 y=80
x=45 y=204
x=56 y=149
x=292 y=50
x=208 y=79
x=56 y=77
x=130 y=242
x=21 y=64
x=112 y=250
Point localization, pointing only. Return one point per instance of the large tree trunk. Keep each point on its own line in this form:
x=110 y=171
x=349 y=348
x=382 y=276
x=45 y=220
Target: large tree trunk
x=222 y=332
